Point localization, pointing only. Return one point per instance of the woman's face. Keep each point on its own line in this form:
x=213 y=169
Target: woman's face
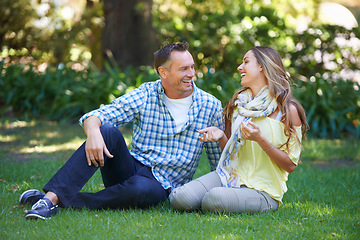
x=252 y=74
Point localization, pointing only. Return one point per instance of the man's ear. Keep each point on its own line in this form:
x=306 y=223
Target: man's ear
x=162 y=71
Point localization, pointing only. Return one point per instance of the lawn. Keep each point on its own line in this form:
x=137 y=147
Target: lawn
x=322 y=201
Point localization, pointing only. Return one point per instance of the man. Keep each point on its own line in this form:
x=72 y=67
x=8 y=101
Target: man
x=166 y=149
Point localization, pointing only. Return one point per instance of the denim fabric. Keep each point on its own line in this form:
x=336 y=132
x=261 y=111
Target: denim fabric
x=128 y=183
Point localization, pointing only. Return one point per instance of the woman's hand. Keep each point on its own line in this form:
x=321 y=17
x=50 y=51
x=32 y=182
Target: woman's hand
x=213 y=134
x=276 y=155
x=252 y=133
x=210 y=134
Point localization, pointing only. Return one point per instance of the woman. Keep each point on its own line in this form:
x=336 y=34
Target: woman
x=264 y=126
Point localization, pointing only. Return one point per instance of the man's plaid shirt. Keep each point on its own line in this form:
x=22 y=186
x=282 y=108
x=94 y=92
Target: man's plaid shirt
x=173 y=156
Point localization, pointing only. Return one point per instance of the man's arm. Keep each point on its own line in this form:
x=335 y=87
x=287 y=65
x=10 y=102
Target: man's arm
x=95 y=146
x=120 y=111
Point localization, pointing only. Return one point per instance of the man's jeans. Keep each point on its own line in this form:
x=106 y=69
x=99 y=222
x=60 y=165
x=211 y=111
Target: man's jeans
x=128 y=183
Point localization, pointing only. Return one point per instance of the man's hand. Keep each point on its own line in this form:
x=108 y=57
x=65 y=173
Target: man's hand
x=95 y=146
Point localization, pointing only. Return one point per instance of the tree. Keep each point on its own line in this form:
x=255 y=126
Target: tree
x=16 y=18
x=128 y=36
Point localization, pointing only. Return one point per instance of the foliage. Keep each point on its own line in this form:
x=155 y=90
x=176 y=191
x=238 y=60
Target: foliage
x=62 y=93
x=220 y=33
x=321 y=202
x=37 y=31
x=15 y=20
x=332 y=107
x=325 y=51
x=318 y=57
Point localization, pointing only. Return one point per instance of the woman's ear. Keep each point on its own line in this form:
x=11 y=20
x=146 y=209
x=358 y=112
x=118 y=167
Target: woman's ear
x=260 y=68
x=162 y=71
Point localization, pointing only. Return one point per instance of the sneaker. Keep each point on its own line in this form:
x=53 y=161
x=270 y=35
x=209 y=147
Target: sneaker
x=43 y=209
x=31 y=196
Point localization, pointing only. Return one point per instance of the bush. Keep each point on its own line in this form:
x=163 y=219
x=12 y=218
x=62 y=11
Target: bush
x=62 y=94
x=332 y=107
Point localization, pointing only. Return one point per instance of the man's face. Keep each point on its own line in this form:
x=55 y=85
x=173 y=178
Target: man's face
x=177 y=75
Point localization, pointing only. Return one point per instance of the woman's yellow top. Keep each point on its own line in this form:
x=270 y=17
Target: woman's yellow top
x=255 y=169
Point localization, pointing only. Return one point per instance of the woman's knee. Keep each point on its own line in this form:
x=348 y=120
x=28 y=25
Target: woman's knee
x=216 y=200
x=188 y=197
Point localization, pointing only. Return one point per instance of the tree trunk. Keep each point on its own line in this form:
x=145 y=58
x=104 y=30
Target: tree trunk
x=128 y=37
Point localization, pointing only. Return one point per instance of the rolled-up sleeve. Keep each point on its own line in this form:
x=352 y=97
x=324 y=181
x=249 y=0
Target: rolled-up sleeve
x=121 y=110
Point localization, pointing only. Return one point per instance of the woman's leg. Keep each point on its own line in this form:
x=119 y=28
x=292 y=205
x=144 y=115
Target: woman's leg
x=237 y=200
x=189 y=196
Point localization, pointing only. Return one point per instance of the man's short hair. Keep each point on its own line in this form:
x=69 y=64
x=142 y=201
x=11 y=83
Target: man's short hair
x=164 y=54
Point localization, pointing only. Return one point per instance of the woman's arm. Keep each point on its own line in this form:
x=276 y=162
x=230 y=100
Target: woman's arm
x=213 y=134
x=278 y=156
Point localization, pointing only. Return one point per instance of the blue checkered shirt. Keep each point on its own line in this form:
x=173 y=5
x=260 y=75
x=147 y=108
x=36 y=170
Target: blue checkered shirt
x=172 y=155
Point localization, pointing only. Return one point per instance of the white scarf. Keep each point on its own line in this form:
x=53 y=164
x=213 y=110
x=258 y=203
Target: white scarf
x=247 y=108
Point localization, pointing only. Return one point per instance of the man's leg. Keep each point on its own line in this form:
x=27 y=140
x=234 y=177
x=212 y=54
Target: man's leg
x=70 y=179
x=141 y=190
x=63 y=188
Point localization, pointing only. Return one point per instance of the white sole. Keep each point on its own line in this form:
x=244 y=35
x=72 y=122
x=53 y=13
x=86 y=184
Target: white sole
x=35 y=216
x=24 y=194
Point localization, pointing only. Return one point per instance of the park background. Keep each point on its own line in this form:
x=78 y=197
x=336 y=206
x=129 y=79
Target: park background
x=61 y=59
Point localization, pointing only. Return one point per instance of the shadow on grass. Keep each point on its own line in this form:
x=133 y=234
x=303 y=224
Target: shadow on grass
x=23 y=141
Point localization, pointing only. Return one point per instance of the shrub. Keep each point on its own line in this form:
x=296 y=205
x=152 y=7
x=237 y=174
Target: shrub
x=332 y=106
x=62 y=94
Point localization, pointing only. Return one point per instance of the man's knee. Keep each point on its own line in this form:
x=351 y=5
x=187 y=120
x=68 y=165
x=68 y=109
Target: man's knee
x=146 y=192
x=108 y=128
x=112 y=134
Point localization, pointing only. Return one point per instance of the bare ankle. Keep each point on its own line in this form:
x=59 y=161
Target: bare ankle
x=53 y=197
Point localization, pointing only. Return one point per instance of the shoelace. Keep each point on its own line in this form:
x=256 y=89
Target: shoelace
x=40 y=203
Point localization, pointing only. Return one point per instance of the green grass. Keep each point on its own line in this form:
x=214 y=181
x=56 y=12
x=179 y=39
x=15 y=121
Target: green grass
x=322 y=201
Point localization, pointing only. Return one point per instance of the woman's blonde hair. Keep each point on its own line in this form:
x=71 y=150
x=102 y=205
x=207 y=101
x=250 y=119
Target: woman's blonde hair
x=279 y=83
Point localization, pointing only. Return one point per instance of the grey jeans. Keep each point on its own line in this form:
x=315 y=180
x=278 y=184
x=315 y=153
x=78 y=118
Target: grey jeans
x=208 y=194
